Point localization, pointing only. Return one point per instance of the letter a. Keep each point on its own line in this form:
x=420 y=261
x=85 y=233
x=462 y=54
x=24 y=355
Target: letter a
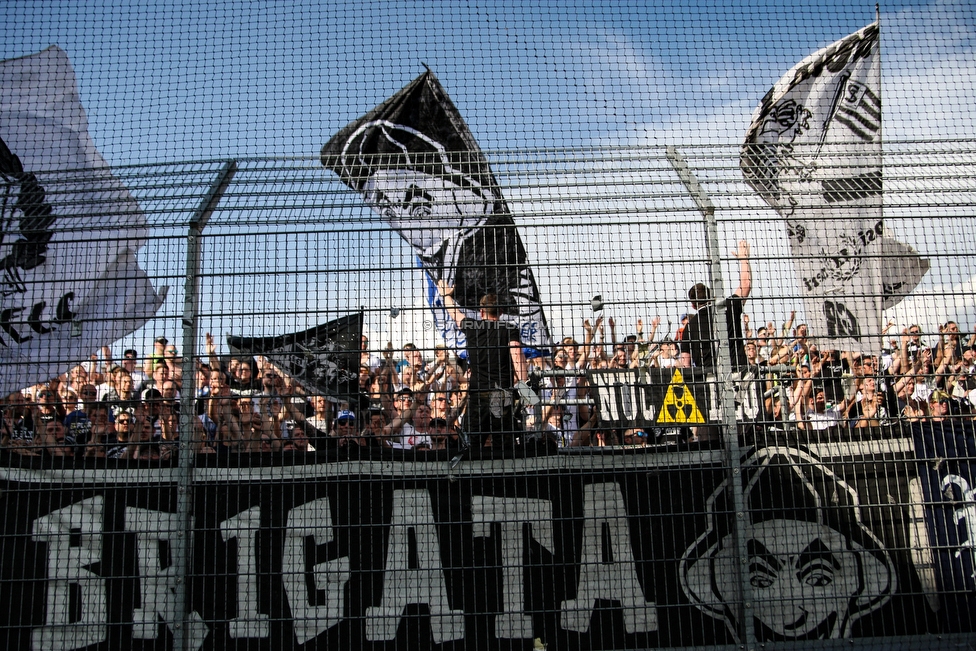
x=613 y=578
x=418 y=580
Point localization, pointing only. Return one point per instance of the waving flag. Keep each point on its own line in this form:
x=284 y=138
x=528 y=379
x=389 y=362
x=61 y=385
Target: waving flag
x=416 y=163
x=323 y=359
x=69 y=230
x=813 y=152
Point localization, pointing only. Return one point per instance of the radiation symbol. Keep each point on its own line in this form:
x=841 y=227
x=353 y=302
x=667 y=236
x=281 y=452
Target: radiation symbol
x=679 y=404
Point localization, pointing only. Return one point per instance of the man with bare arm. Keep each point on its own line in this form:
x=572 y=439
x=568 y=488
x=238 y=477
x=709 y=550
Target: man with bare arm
x=698 y=342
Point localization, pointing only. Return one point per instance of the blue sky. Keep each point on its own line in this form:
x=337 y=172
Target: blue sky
x=163 y=81
x=169 y=82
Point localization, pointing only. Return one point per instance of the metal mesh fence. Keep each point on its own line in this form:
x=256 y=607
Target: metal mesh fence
x=637 y=499
x=554 y=347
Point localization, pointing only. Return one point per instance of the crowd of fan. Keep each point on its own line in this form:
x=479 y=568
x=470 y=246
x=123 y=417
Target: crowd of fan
x=832 y=394
x=131 y=409
x=796 y=387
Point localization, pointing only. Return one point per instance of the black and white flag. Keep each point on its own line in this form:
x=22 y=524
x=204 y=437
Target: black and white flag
x=416 y=163
x=69 y=230
x=813 y=152
x=324 y=360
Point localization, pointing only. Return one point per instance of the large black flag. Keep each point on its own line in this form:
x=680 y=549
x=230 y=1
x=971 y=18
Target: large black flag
x=323 y=359
x=416 y=163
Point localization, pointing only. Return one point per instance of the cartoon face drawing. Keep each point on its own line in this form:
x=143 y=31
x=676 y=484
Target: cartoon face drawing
x=425 y=209
x=416 y=164
x=419 y=189
x=26 y=219
x=803 y=575
x=786 y=121
x=812 y=570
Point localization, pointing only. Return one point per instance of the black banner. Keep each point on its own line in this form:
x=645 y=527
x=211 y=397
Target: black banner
x=946 y=453
x=654 y=397
x=607 y=551
x=323 y=359
x=668 y=398
x=417 y=164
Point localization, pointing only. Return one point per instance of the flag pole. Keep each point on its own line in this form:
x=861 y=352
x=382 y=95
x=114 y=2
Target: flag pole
x=722 y=384
x=881 y=199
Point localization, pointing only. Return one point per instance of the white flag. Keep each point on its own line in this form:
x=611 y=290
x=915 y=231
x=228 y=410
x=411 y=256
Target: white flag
x=902 y=269
x=813 y=152
x=69 y=230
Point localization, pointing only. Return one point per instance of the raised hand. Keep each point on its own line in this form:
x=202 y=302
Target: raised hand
x=743 y=251
x=444 y=288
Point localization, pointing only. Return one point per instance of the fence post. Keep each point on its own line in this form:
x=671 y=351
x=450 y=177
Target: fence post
x=180 y=547
x=723 y=369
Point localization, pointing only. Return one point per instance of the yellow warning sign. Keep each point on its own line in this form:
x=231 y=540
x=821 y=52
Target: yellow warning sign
x=679 y=404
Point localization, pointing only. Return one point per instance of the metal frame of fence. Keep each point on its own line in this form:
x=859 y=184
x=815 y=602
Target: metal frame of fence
x=213 y=211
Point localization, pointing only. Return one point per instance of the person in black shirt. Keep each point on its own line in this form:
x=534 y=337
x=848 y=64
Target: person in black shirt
x=697 y=340
x=496 y=363
x=831 y=375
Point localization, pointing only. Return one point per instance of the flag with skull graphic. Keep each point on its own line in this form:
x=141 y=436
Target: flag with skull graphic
x=813 y=153
x=415 y=163
x=69 y=229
